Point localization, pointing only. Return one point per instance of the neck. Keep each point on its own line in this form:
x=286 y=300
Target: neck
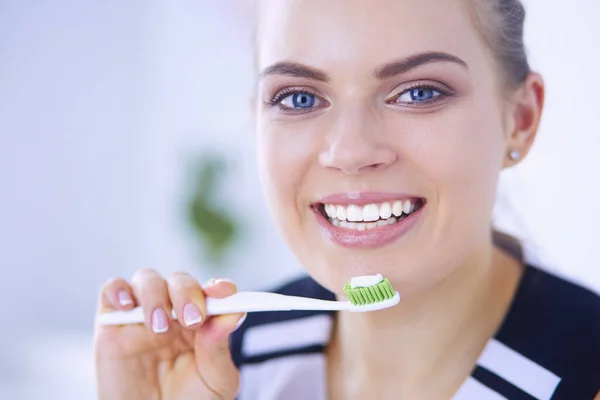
x=429 y=332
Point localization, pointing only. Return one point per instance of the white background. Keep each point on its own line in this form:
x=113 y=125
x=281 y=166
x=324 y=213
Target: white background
x=103 y=105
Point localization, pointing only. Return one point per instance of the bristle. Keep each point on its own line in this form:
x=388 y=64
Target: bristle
x=371 y=294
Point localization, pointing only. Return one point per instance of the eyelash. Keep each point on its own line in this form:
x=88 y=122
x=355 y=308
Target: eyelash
x=444 y=92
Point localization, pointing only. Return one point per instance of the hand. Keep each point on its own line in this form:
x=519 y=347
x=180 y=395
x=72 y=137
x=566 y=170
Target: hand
x=166 y=359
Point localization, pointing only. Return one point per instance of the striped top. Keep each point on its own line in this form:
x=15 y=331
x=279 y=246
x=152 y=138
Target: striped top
x=547 y=348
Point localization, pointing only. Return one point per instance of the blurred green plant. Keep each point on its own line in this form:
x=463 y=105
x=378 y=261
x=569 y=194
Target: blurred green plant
x=215 y=226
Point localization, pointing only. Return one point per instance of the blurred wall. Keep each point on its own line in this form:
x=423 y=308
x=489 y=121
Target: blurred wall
x=102 y=106
x=553 y=194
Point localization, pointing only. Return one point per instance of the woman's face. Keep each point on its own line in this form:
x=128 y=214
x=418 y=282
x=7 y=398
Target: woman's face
x=380 y=136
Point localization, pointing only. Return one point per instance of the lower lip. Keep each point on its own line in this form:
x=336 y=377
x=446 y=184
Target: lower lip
x=371 y=238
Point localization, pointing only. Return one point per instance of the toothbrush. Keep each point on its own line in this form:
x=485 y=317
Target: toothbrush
x=365 y=293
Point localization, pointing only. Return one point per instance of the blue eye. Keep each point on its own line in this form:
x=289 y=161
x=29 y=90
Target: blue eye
x=299 y=100
x=303 y=100
x=418 y=95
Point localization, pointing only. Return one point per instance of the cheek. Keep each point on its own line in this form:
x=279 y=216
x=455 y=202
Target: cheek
x=462 y=153
x=460 y=147
x=476 y=159
x=284 y=157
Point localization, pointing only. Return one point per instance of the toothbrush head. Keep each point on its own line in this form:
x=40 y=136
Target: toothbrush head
x=370 y=293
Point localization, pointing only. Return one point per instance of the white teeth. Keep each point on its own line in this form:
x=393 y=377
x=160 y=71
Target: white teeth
x=385 y=211
x=355 y=213
x=368 y=217
x=362 y=226
x=407 y=207
x=330 y=210
x=397 y=208
x=341 y=213
x=370 y=212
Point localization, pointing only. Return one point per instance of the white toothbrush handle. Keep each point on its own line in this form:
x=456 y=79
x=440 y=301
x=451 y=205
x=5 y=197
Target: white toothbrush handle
x=240 y=302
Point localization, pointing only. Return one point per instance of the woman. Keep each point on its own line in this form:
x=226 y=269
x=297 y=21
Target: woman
x=405 y=109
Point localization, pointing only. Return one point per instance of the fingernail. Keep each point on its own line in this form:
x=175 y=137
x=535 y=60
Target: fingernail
x=216 y=281
x=160 y=323
x=240 y=322
x=191 y=314
x=124 y=298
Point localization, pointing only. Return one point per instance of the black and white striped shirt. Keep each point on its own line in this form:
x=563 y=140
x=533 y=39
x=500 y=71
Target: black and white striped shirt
x=548 y=347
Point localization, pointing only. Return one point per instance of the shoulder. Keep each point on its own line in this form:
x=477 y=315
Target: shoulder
x=267 y=335
x=552 y=307
x=556 y=324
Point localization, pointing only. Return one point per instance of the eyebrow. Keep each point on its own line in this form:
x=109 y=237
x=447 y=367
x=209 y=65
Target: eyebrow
x=296 y=70
x=394 y=68
x=403 y=66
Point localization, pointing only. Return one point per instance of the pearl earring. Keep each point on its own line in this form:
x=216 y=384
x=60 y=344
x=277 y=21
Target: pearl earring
x=515 y=155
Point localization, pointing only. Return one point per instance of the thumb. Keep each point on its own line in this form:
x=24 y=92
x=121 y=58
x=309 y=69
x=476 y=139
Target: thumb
x=213 y=356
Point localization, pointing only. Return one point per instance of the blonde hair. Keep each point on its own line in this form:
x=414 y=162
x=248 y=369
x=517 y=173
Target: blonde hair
x=501 y=24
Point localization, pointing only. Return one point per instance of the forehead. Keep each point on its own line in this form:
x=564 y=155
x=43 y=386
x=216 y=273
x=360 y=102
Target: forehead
x=356 y=34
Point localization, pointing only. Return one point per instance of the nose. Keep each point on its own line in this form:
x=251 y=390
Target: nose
x=355 y=144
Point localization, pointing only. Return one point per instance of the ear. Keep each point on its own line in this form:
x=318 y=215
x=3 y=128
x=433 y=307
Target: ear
x=525 y=113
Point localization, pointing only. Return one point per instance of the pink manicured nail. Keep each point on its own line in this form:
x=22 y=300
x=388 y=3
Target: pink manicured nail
x=160 y=323
x=216 y=281
x=191 y=314
x=124 y=298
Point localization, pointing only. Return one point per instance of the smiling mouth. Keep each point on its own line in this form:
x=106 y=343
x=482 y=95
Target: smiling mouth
x=369 y=216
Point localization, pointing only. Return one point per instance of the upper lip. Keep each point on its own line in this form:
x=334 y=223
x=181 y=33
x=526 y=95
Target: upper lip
x=364 y=198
